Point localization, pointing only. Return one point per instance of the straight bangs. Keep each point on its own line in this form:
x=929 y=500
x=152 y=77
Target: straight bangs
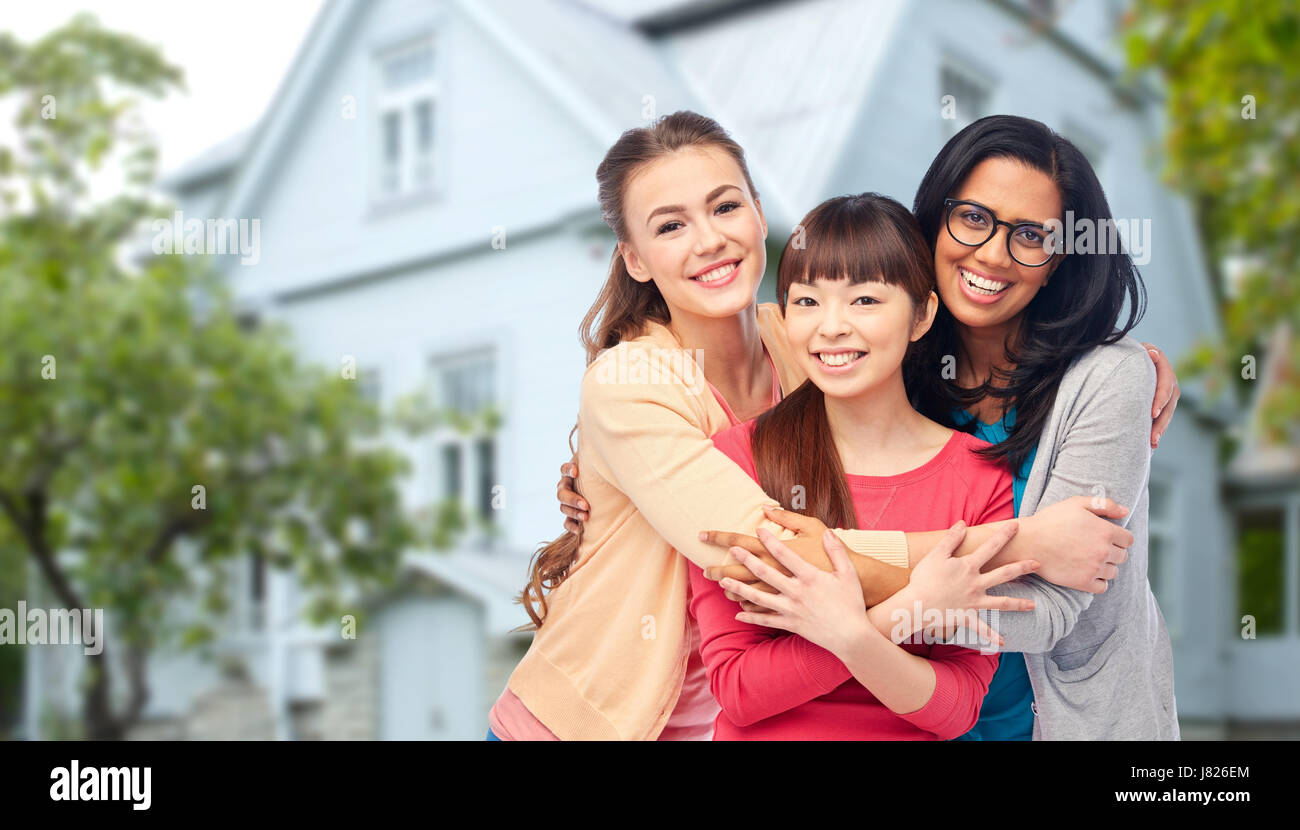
x=861 y=238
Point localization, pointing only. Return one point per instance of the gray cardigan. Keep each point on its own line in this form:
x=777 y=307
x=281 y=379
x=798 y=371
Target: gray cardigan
x=1100 y=664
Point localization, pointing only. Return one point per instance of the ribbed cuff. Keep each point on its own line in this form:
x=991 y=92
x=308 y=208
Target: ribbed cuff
x=888 y=546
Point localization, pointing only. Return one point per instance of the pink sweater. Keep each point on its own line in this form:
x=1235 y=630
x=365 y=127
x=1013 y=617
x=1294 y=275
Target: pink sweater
x=773 y=685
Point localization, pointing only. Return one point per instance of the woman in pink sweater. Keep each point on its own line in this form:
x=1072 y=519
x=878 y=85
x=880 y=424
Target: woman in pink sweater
x=847 y=444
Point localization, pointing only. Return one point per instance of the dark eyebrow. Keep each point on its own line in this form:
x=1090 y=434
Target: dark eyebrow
x=1021 y=221
x=715 y=193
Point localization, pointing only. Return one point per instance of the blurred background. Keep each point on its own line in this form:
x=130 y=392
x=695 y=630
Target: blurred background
x=289 y=298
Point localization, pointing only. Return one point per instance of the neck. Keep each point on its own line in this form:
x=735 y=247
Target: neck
x=731 y=352
x=876 y=429
x=984 y=350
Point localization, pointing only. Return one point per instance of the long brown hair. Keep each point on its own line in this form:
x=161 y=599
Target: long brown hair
x=864 y=238
x=624 y=306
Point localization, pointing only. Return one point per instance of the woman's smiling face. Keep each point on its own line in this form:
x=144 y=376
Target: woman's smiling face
x=850 y=338
x=696 y=231
x=983 y=286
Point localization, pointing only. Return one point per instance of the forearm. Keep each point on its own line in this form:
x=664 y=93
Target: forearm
x=902 y=681
x=1020 y=547
x=879 y=581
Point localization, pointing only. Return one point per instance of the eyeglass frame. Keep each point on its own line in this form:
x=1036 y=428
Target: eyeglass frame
x=950 y=204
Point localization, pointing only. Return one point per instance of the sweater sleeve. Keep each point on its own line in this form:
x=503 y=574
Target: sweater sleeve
x=1105 y=450
x=757 y=672
x=961 y=679
x=651 y=435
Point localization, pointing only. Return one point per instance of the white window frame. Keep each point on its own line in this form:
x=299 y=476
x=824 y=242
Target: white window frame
x=403 y=101
x=444 y=436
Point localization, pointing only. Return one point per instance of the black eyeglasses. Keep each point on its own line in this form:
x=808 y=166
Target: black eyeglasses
x=972 y=224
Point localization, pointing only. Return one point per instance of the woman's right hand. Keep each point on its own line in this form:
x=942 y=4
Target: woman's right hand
x=572 y=505
x=1076 y=545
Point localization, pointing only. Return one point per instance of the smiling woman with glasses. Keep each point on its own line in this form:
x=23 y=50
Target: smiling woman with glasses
x=972 y=224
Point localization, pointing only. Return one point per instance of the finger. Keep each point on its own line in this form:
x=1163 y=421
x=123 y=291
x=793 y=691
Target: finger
x=751 y=607
x=573 y=513
x=1166 y=416
x=1119 y=556
x=762 y=570
x=1121 y=538
x=776 y=602
x=1108 y=572
x=1100 y=586
x=723 y=539
x=996 y=603
x=838 y=555
x=1165 y=379
x=737 y=572
x=767 y=620
x=989 y=633
x=951 y=540
x=982 y=554
x=1105 y=508
x=572 y=525
x=782 y=554
x=790 y=520
x=1006 y=573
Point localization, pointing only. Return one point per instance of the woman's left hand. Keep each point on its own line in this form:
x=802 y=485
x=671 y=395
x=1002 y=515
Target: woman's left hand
x=822 y=607
x=1167 y=393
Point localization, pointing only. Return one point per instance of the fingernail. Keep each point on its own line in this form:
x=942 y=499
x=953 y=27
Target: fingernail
x=704 y=535
x=582 y=505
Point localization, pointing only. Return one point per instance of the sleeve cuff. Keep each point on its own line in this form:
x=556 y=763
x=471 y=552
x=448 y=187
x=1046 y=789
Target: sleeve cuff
x=888 y=546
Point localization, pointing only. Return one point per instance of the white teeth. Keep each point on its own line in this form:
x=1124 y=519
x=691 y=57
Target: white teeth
x=842 y=359
x=980 y=284
x=717 y=273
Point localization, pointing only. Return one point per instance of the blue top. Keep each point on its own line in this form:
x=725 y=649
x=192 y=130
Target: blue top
x=1007 y=713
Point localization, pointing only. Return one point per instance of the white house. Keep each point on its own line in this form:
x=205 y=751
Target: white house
x=425 y=188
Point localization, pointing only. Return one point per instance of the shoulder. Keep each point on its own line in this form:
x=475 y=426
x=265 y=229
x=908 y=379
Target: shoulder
x=737 y=443
x=651 y=365
x=967 y=455
x=1124 y=363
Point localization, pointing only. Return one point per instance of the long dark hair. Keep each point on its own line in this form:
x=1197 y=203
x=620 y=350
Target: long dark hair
x=624 y=306
x=869 y=238
x=1079 y=307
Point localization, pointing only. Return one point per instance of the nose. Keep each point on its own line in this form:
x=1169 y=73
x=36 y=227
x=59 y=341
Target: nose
x=709 y=239
x=834 y=322
x=994 y=253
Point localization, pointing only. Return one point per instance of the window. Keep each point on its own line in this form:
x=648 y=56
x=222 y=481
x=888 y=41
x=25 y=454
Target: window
x=465 y=443
x=407 y=101
x=1261 y=568
x=970 y=97
x=1162 y=525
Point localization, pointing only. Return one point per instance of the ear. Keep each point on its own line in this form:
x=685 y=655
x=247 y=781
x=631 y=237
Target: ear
x=927 y=317
x=635 y=267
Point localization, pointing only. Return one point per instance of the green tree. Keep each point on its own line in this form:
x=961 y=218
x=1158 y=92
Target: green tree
x=149 y=438
x=1232 y=95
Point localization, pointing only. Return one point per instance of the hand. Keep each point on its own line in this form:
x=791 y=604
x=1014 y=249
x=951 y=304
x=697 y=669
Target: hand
x=952 y=588
x=823 y=608
x=1077 y=547
x=572 y=505
x=806 y=543
x=1167 y=393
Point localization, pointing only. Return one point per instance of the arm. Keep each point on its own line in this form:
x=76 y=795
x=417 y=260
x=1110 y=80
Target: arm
x=941 y=696
x=650 y=440
x=1107 y=446
x=754 y=672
